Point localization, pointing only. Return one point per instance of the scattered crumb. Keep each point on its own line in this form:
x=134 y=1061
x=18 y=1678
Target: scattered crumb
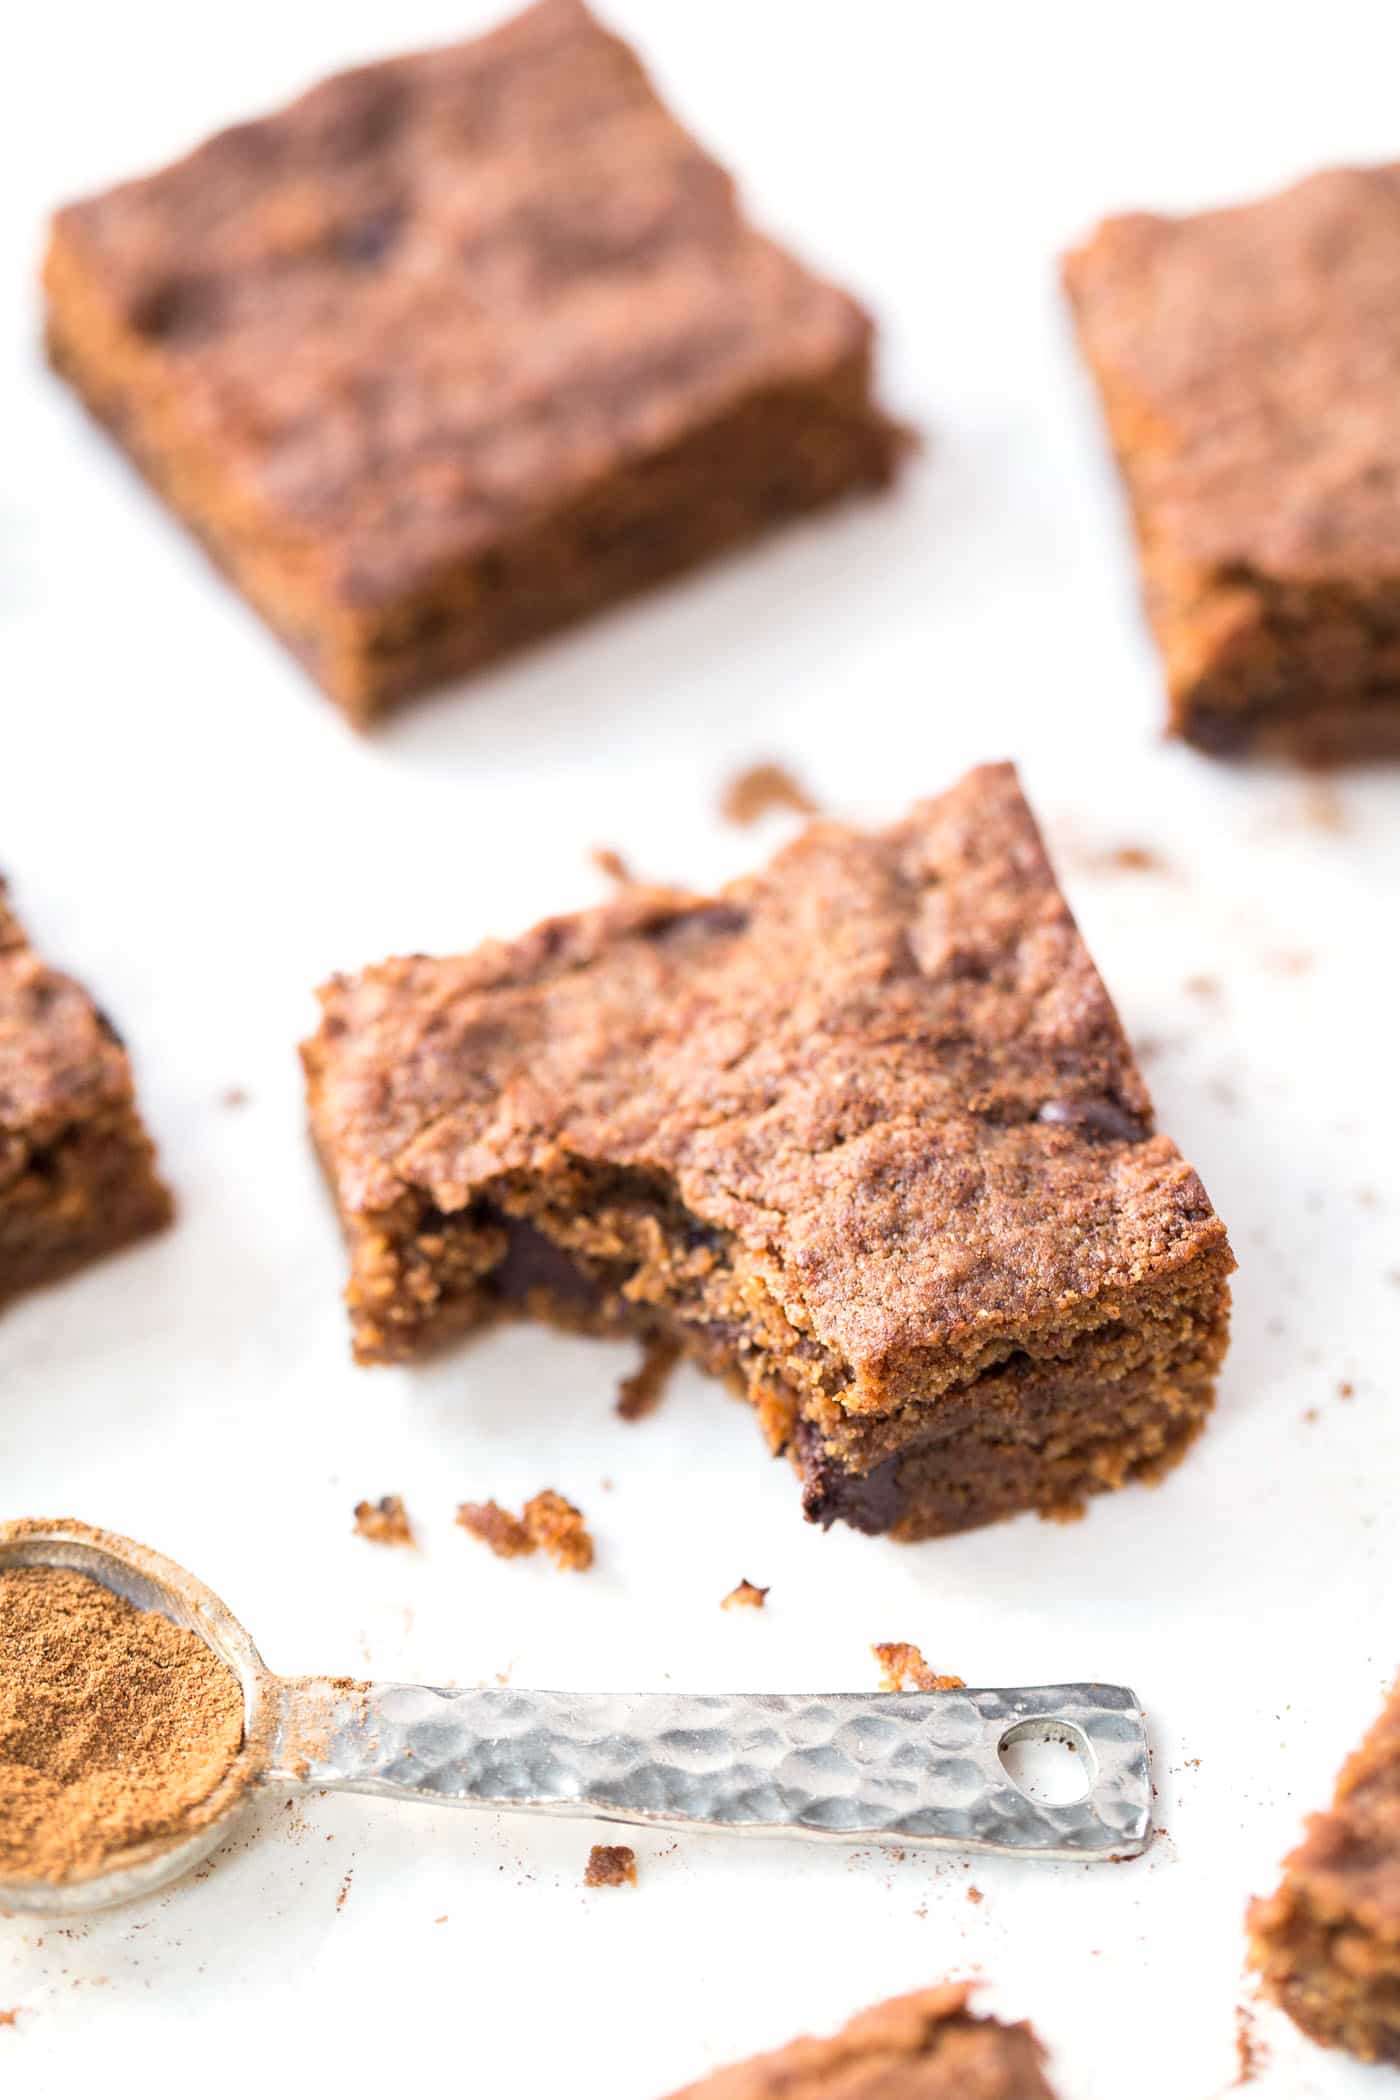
x=557 y=1526
x=608 y=861
x=1128 y=859
x=547 y=1520
x=1345 y=1389
x=1205 y=987
x=8 y=2019
x=1288 y=962
x=1133 y=860
x=974 y=1895
x=751 y=794
x=746 y=1592
x=344 y=1889
x=1249 y=2050
x=1193 y=1764
x=642 y=1391
x=902 y=1669
x=442 y=1920
x=233 y=1097
x=1323 y=809
x=1152 y=1047
x=496 y=1528
x=385 y=1522
x=610 y=1866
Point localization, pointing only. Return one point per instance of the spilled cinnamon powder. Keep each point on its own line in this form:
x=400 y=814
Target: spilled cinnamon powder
x=115 y=1725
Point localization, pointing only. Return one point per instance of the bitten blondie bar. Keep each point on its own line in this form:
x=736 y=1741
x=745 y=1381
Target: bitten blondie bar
x=927 y=2046
x=1245 y=360
x=459 y=347
x=862 y=1133
x=1327 y=1943
x=77 y=1170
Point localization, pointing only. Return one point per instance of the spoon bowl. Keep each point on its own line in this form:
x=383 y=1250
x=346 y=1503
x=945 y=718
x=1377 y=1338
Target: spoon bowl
x=152 y=1583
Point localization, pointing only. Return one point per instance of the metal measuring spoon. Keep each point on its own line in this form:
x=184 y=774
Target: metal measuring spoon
x=907 y=1768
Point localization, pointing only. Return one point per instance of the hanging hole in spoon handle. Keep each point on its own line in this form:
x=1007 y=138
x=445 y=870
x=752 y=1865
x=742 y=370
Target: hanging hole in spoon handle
x=931 y=1768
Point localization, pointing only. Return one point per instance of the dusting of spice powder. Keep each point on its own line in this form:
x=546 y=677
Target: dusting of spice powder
x=611 y=1867
x=385 y=1522
x=745 y=1592
x=547 y=1520
x=903 y=1669
x=116 y=1727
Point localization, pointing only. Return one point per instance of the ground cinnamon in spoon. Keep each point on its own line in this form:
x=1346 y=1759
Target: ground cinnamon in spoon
x=115 y=1726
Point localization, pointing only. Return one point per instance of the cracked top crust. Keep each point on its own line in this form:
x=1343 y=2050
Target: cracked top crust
x=441 y=295
x=61 y=1060
x=926 y=2046
x=886 y=1064
x=1251 y=370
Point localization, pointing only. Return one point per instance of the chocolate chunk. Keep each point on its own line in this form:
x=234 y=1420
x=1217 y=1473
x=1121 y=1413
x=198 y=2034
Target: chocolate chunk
x=179 y=310
x=707 y=920
x=534 y=1263
x=1096 y=1118
x=366 y=242
x=871 y=1502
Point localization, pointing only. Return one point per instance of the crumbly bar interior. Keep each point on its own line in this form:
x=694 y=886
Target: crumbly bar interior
x=1112 y=1392
x=79 y=1194
x=1332 y=1974
x=1327 y=1942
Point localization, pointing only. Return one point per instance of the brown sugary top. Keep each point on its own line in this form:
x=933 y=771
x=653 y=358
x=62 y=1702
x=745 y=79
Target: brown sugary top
x=886 y=1064
x=923 y=2047
x=1250 y=359
x=439 y=294
x=61 y=1060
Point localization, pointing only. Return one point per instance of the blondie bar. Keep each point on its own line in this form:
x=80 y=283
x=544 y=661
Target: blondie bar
x=1245 y=360
x=77 y=1170
x=457 y=348
x=862 y=1133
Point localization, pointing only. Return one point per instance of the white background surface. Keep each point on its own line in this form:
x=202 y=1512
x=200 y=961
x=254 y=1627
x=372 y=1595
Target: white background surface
x=190 y=828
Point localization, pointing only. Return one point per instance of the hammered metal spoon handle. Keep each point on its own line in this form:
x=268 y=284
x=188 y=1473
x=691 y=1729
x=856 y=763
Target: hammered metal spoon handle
x=921 y=1768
